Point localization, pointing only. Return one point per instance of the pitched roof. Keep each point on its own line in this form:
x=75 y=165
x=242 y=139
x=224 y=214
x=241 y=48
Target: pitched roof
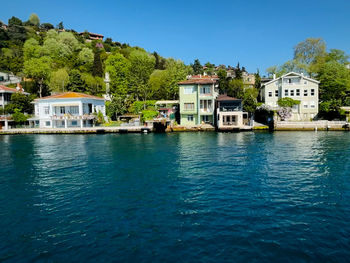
x=292 y=73
x=70 y=95
x=224 y=97
x=12 y=90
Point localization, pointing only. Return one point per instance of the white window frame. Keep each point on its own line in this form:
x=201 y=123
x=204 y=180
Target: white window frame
x=188 y=90
x=189 y=117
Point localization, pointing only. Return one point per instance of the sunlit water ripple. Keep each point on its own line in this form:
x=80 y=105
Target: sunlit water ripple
x=188 y=197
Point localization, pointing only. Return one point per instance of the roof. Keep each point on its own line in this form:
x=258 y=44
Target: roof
x=167 y=102
x=224 y=97
x=12 y=90
x=292 y=73
x=93 y=34
x=70 y=95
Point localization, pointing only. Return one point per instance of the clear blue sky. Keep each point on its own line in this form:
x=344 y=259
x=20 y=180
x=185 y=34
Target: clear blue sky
x=256 y=33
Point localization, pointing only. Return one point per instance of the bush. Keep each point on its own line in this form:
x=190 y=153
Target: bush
x=139 y=106
x=287 y=102
x=19 y=116
x=149 y=115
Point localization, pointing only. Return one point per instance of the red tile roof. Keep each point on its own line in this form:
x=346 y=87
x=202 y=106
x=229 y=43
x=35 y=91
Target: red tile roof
x=199 y=79
x=12 y=90
x=70 y=95
x=224 y=97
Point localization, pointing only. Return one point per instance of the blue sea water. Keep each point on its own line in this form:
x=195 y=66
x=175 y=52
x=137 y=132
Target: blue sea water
x=177 y=197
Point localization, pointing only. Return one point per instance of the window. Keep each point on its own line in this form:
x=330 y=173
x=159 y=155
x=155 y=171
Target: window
x=305 y=82
x=312 y=104
x=270 y=93
x=292 y=92
x=290 y=81
x=305 y=105
x=206 y=105
x=189 y=106
x=305 y=92
x=298 y=92
x=286 y=92
x=74 y=123
x=46 y=110
x=47 y=123
x=312 y=92
x=205 y=90
x=276 y=93
x=205 y=118
x=188 y=90
x=189 y=117
x=74 y=110
x=63 y=110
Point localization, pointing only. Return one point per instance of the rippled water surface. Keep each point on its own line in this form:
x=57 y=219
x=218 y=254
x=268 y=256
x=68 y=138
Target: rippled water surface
x=181 y=197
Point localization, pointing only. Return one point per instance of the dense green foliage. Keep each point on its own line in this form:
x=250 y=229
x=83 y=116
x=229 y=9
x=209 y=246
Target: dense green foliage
x=287 y=102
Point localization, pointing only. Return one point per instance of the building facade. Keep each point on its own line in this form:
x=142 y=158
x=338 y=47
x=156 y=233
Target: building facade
x=6 y=93
x=296 y=86
x=197 y=100
x=67 y=110
x=229 y=113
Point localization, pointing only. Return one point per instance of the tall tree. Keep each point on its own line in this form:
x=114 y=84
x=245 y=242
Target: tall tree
x=59 y=80
x=118 y=68
x=310 y=54
x=34 y=20
x=238 y=72
x=39 y=69
x=97 y=69
x=142 y=65
x=197 y=67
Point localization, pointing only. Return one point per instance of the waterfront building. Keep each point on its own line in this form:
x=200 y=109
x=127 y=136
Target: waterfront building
x=69 y=109
x=229 y=113
x=197 y=99
x=6 y=93
x=167 y=109
x=296 y=86
x=7 y=78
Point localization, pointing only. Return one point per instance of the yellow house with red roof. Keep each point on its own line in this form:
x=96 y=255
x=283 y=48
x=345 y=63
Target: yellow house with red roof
x=67 y=110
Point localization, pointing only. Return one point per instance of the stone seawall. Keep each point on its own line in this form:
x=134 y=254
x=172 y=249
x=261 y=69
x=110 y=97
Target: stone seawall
x=312 y=125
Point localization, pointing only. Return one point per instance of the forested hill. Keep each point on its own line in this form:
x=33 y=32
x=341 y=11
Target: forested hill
x=56 y=59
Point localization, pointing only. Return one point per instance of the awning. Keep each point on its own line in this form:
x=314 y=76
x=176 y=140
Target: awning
x=64 y=104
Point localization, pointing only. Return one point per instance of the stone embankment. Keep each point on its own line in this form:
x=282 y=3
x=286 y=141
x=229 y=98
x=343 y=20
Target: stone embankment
x=311 y=126
x=90 y=130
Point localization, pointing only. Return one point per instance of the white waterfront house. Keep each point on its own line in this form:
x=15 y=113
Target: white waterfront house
x=67 y=110
x=296 y=86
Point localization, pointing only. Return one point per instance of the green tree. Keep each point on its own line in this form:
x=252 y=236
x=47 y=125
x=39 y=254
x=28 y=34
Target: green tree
x=238 y=72
x=21 y=102
x=197 y=67
x=60 y=26
x=118 y=68
x=250 y=100
x=86 y=57
x=310 y=53
x=337 y=55
x=19 y=117
x=334 y=82
x=97 y=69
x=236 y=88
x=223 y=81
x=15 y=21
x=38 y=69
x=34 y=20
x=76 y=82
x=31 y=49
x=142 y=65
x=59 y=80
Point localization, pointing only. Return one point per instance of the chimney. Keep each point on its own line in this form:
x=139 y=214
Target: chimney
x=274 y=76
x=18 y=87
